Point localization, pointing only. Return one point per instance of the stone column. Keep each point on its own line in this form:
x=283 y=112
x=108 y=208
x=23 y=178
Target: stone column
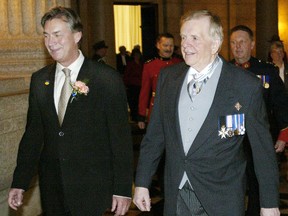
x=21 y=39
x=266 y=25
x=98 y=20
x=173 y=11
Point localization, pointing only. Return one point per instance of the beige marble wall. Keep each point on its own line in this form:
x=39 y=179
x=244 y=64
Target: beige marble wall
x=13 y=109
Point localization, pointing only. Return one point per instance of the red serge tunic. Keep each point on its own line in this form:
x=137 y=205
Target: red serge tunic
x=150 y=74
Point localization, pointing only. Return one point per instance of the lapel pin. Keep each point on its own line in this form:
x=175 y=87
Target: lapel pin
x=238 y=106
x=47 y=82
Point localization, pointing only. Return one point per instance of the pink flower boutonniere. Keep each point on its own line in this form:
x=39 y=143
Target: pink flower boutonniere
x=79 y=88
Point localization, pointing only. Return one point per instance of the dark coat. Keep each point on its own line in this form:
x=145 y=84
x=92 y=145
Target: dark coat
x=215 y=166
x=90 y=155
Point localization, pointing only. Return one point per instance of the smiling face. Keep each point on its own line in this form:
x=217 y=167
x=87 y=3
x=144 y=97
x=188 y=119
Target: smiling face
x=165 y=47
x=61 y=42
x=241 y=46
x=197 y=46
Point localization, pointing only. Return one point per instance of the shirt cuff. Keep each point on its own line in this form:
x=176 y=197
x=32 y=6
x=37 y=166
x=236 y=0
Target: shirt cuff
x=121 y=196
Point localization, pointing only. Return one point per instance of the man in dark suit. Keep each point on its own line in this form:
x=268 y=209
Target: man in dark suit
x=122 y=58
x=276 y=101
x=84 y=158
x=200 y=116
x=100 y=51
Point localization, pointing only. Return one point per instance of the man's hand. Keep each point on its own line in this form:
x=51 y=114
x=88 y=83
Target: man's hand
x=15 y=198
x=141 y=125
x=269 y=212
x=279 y=146
x=120 y=205
x=142 y=199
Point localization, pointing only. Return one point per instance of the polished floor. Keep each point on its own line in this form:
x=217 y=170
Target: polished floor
x=157 y=200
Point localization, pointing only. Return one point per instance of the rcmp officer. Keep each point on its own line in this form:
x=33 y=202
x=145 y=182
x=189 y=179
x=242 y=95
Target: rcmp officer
x=242 y=43
x=165 y=47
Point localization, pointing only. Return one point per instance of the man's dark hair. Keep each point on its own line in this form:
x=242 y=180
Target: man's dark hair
x=242 y=28
x=67 y=15
x=165 y=35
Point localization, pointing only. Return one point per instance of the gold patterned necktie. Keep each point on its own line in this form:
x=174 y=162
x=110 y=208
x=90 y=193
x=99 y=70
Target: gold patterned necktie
x=65 y=95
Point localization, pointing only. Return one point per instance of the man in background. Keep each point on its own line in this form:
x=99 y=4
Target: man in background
x=165 y=47
x=122 y=59
x=242 y=44
x=100 y=51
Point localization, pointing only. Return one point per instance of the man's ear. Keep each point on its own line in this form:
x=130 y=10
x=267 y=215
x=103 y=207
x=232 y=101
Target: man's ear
x=77 y=36
x=215 y=46
x=252 y=45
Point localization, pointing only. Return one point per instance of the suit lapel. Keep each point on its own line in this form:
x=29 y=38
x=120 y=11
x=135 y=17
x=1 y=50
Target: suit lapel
x=84 y=71
x=50 y=91
x=173 y=99
x=82 y=75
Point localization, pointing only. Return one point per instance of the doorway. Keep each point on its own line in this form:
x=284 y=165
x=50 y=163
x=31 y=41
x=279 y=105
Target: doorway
x=148 y=29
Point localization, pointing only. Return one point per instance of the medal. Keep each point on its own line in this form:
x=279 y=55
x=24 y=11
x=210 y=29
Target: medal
x=265 y=80
x=223 y=132
x=231 y=125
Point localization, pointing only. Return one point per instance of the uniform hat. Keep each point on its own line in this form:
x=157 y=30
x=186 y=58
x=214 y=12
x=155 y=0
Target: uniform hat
x=275 y=38
x=100 y=45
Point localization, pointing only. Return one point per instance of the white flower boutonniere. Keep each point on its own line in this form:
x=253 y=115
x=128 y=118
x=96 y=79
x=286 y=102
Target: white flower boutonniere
x=79 y=88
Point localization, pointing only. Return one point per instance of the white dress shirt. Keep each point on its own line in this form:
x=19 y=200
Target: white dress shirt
x=60 y=76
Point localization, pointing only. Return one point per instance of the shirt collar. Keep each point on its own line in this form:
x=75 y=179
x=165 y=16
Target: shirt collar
x=206 y=72
x=75 y=66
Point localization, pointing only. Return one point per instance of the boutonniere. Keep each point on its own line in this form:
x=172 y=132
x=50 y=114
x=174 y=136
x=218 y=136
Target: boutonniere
x=79 y=88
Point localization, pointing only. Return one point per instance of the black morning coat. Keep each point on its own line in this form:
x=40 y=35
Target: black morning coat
x=215 y=166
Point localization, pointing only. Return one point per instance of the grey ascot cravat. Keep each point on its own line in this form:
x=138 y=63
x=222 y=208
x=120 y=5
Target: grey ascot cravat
x=194 y=86
x=198 y=81
x=65 y=95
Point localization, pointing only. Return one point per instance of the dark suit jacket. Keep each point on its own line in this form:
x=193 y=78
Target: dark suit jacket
x=215 y=166
x=91 y=154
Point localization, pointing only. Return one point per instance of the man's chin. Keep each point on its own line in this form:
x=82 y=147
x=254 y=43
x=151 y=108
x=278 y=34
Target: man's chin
x=189 y=62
